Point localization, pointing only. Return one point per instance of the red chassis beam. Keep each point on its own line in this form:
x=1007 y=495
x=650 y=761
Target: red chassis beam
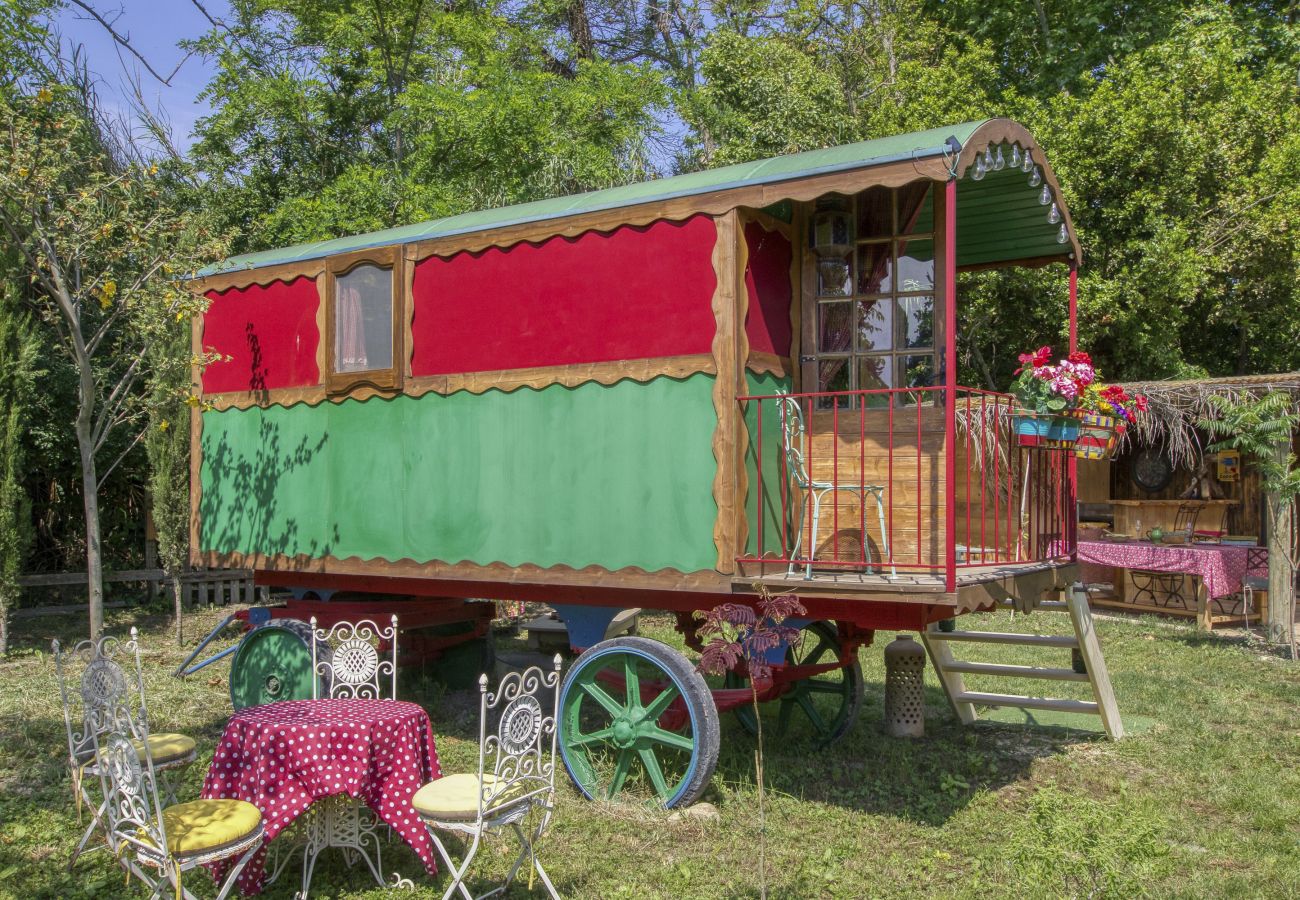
x=867 y=614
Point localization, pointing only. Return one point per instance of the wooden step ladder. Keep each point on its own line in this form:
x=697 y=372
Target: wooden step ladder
x=951 y=670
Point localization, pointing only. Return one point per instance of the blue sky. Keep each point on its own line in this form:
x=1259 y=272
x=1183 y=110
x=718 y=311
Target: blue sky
x=154 y=27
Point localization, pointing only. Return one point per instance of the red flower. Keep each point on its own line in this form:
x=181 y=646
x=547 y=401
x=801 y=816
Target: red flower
x=1140 y=403
x=1078 y=356
x=1040 y=357
x=1114 y=393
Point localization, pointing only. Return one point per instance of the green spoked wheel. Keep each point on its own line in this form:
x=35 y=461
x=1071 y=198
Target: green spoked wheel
x=637 y=721
x=823 y=706
x=273 y=663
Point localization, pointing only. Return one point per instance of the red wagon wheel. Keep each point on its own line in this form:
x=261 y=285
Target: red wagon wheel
x=825 y=703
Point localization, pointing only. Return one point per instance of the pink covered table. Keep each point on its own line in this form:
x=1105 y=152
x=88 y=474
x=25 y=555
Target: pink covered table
x=283 y=757
x=1219 y=567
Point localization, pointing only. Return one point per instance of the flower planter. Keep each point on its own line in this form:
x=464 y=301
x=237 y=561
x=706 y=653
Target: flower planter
x=1098 y=435
x=1043 y=431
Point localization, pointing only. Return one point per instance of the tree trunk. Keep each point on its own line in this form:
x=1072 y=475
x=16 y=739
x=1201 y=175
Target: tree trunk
x=179 y=606
x=1281 y=582
x=94 y=560
x=4 y=631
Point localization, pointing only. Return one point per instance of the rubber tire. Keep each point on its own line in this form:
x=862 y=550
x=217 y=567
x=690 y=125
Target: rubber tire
x=744 y=714
x=694 y=691
x=298 y=629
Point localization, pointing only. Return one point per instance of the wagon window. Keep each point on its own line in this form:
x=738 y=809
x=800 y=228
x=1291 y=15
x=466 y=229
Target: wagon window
x=885 y=287
x=363 y=319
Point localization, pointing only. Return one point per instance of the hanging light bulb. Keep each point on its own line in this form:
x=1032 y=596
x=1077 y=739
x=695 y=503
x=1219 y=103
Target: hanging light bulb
x=1027 y=163
x=1062 y=235
x=1015 y=156
x=979 y=170
x=1035 y=177
x=1053 y=214
x=1044 y=196
x=998 y=162
x=988 y=158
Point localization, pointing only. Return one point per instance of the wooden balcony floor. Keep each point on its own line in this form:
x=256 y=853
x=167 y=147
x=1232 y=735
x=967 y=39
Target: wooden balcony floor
x=972 y=583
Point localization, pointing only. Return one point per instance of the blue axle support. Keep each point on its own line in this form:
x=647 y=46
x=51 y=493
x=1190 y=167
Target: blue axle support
x=257 y=615
x=586 y=624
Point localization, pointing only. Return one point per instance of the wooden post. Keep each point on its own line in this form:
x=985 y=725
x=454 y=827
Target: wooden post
x=1077 y=600
x=1281 y=585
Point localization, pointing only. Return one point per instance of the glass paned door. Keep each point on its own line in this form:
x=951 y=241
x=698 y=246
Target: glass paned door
x=875 y=321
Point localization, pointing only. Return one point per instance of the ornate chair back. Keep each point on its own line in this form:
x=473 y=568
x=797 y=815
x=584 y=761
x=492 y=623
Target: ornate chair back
x=794 y=440
x=516 y=761
x=1185 y=519
x=103 y=691
x=354 y=667
x=133 y=811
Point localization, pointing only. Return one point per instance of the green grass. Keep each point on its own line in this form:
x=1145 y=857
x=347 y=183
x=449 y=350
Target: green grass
x=1204 y=802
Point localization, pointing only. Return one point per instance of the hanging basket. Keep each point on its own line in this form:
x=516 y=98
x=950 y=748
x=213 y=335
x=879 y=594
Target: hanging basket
x=1098 y=436
x=1046 y=431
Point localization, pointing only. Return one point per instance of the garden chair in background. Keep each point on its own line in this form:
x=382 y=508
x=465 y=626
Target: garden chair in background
x=795 y=444
x=1166 y=588
x=157 y=844
x=102 y=702
x=516 y=775
x=348 y=661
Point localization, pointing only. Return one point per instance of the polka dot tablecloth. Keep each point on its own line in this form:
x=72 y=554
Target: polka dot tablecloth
x=1220 y=566
x=284 y=756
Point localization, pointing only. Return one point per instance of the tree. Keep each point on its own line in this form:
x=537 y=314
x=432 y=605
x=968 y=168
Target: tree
x=105 y=252
x=18 y=373
x=346 y=116
x=1263 y=430
x=168 y=447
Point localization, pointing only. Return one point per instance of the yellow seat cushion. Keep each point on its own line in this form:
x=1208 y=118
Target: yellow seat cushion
x=166 y=748
x=202 y=826
x=454 y=798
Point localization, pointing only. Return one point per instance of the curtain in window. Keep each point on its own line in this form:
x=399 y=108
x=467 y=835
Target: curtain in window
x=351 y=332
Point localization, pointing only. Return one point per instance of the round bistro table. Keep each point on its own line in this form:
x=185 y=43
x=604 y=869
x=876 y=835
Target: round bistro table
x=283 y=757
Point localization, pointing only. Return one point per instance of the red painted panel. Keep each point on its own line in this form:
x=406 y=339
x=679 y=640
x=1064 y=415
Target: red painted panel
x=268 y=332
x=767 y=280
x=636 y=293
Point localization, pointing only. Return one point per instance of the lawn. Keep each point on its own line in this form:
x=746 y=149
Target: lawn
x=1205 y=802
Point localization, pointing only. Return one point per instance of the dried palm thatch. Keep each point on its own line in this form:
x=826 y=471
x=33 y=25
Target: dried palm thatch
x=1175 y=407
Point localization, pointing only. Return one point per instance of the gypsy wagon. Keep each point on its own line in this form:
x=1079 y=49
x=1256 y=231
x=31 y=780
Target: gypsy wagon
x=666 y=395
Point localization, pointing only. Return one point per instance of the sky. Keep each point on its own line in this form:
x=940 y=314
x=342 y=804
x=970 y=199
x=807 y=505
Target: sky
x=154 y=28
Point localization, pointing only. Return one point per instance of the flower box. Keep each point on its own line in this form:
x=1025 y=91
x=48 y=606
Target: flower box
x=1098 y=435
x=1045 y=431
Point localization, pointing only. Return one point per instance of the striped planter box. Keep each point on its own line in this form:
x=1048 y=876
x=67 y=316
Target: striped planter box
x=1097 y=436
x=1046 y=432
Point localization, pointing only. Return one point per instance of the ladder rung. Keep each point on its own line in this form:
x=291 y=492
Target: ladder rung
x=1052 y=703
x=998 y=637
x=1044 y=672
x=1041 y=604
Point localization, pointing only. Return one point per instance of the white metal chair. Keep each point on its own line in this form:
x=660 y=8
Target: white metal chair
x=105 y=705
x=794 y=442
x=516 y=775
x=158 y=844
x=348 y=661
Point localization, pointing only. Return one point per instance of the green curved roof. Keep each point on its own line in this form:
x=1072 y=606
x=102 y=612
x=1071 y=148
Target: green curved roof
x=914 y=145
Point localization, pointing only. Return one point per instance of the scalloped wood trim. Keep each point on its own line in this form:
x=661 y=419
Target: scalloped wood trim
x=408 y=308
x=998 y=131
x=724 y=388
x=322 y=328
x=242 y=278
x=737 y=425
x=605 y=373
x=763 y=363
x=498 y=573
x=196 y=432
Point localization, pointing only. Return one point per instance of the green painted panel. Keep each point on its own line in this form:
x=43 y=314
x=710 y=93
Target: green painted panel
x=770 y=489
x=614 y=476
x=999 y=218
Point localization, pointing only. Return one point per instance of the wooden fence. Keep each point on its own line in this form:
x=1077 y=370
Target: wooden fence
x=210 y=587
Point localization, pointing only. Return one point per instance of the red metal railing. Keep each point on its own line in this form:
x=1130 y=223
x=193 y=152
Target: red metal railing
x=861 y=481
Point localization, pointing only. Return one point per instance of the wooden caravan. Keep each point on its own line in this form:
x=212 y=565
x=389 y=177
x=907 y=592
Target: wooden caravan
x=654 y=395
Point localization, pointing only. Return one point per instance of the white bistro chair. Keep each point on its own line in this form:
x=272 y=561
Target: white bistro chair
x=516 y=775
x=104 y=700
x=348 y=659
x=158 y=844
x=795 y=443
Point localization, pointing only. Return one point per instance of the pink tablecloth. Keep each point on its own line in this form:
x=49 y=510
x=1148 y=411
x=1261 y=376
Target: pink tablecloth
x=284 y=756
x=1221 y=567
